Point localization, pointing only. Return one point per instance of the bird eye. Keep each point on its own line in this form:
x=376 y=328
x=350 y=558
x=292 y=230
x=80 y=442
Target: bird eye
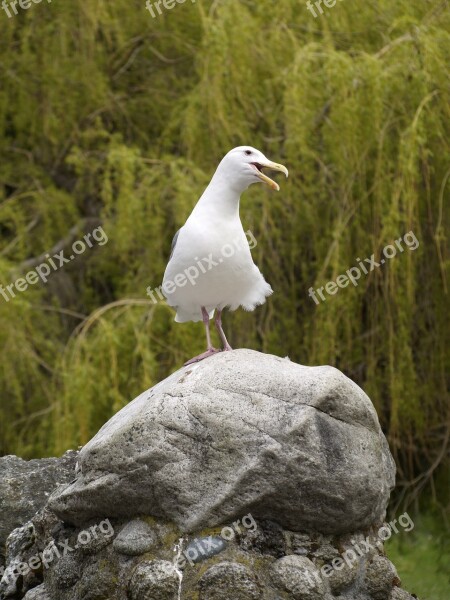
x=248 y=152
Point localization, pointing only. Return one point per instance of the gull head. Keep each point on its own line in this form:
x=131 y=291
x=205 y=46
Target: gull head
x=245 y=165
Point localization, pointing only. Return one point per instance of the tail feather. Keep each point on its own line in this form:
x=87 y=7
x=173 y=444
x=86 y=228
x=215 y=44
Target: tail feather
x=183 y=315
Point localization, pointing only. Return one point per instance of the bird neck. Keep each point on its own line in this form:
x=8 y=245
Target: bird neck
x=220 y=198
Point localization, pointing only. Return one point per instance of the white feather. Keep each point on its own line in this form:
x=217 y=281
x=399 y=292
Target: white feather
x=213 y=244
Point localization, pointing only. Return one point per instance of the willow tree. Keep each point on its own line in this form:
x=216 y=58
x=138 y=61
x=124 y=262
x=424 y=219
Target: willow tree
x=107 y=114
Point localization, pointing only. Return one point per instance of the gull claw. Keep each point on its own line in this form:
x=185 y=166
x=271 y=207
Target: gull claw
x=200 y=357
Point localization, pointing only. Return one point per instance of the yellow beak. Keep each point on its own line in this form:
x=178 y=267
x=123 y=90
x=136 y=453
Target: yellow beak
x=274 y=167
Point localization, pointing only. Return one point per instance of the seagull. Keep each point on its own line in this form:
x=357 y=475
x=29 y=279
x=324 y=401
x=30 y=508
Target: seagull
x=211 y=267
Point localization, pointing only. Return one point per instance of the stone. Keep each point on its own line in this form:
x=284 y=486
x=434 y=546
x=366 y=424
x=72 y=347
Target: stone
x=241 y=431
x=20 y=540
x=9 y=583
x=155 y=580
x=267 y=538
x=344 y=577
x=240 y=571
x=325 y=552
x=201 y=549
x=18 y=548
x=381 y=576
x=25 y=486
x=300 y=543
x=228 y=580
x=95 y=543
x=399 y=594
x=298 y=576
x=135 y=538
x=66 y=571
x=99 y=582
x=37 y=593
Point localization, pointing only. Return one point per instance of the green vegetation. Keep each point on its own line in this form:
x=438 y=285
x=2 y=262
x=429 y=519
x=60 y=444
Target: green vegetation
x=422 y=558
x=109 y=116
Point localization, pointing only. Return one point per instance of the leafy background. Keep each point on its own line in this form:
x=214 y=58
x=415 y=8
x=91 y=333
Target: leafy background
x=111 y=117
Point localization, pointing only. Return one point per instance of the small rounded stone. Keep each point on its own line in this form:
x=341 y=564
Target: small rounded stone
x=155 y=580
x=66 y=572
x=381 y=576
x=228 y=580
x=298 y=576
x=99 y=582
x=135 y=539
x=342 y=578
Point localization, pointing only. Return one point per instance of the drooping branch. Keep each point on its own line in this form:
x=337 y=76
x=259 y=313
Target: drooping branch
x=88 y=223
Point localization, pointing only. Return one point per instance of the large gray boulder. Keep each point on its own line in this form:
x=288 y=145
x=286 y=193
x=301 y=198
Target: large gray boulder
x=25 y=486
x=237 y=433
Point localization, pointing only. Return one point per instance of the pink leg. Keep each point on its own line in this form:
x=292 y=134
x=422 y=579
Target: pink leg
x=218 y=323
x=210 y=351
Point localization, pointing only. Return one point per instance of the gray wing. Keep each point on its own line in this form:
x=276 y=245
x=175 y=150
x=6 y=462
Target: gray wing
x=174 y=243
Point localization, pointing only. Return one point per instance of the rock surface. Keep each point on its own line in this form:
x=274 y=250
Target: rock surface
x=299 y=577
x=245 y=477
x=229 y=577
x=25 y=487
x=240 y=432
x=135 y=538
x=154 y=580
x=37 y=593
x=249 y=566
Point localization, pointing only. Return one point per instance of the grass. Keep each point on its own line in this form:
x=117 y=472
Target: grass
x=422 y=558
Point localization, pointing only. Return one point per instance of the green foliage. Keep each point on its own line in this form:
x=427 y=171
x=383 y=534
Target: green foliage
x=108 y=114
x=422 y=558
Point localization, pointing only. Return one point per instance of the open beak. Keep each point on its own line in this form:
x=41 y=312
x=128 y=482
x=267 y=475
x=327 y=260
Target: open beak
x=267 y=164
